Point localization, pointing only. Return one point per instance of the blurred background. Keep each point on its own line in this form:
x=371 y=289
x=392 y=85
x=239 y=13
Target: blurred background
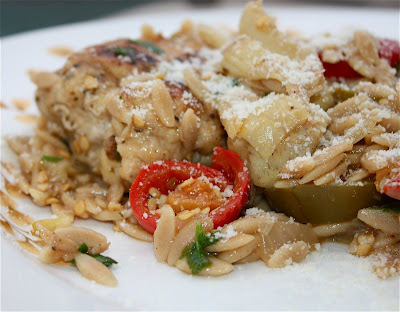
x=24 y=15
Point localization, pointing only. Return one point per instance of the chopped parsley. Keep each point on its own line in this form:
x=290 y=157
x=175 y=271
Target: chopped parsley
x=83 y=248
x=148 y=45
x=107 y=261
x=235 y=82
x=50 y=158
x=123 y=51
x=197 y=257
x=266 y=93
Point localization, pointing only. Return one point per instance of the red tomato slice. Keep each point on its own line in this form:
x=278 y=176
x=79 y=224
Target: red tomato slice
x=392 y=187
x=340 y=69
x=228 y=169
x=234 y=168
x=389 y=50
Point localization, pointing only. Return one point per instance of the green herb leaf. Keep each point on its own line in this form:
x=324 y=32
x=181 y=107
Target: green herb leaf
x=266 y=93
x=204 y=239
x=186 y=251
x=123 y=51
x=387 y=208
x=197 y=257
x=117 y=156
x=235 y=82
x=107 y=261
x=148 y=45
x=50 y=158
x=83 y=248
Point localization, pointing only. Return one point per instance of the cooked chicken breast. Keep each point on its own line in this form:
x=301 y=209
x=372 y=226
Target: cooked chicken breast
x=118 y=113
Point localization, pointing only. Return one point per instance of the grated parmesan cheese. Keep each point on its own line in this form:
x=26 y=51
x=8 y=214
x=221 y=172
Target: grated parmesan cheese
x=327 y=40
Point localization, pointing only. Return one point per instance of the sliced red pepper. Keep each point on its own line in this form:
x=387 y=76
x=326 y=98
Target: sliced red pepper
x=389 y=50
x=228 y=169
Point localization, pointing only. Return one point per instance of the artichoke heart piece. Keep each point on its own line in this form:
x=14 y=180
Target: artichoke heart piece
x=247 y=58
x=265 y=130
x=242 y=58
x=264 y=172
x=264 y=54
x=261 y=27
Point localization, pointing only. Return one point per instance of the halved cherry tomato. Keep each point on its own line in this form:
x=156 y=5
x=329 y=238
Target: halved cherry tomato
x=392 y=187
x=236 y=171
x=389 y=50
x=228 y=170
x=340 y=69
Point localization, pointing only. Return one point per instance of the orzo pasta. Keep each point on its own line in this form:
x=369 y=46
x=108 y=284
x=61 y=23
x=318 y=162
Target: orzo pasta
x=220 y=147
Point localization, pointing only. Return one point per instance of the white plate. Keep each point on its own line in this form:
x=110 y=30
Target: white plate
x=328 y=279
